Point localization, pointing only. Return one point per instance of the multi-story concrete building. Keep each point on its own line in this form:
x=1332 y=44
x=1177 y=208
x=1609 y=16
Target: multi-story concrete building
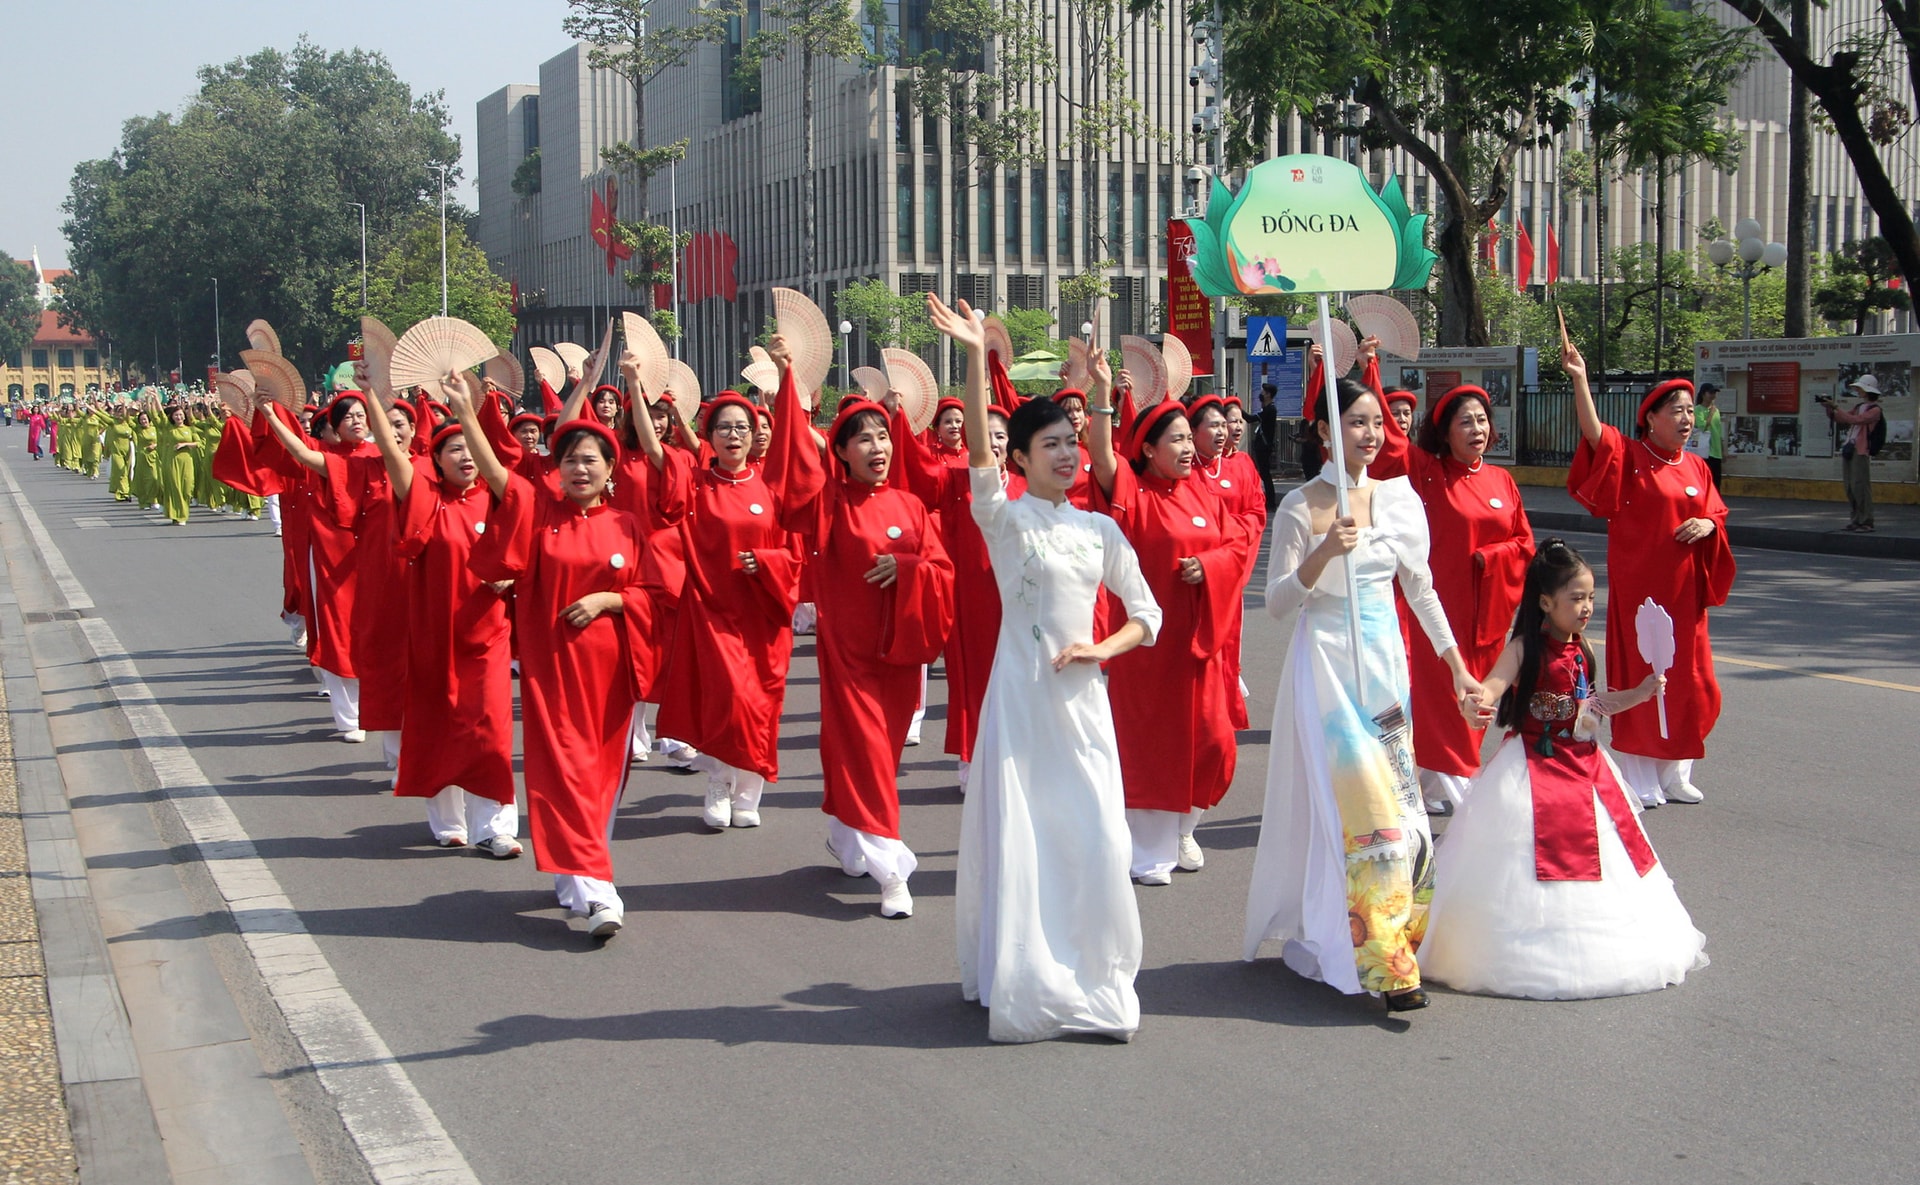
x=900 y=200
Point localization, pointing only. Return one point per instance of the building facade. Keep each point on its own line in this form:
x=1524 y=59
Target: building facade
x=900 y=199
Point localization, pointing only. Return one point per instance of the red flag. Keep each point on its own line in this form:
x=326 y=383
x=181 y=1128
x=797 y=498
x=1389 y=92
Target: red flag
x=1522 y=258
x=1553 y=256
x=1490 y=247
x=597 y=222
x=725 y=258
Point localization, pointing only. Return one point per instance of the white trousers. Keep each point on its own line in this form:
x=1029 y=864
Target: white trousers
x=743 y=787
x=639 y=740
x=454 y=812
x=581 y=893
x=885 y=859
x=343 y=696
x=1439 y=787
x=1649 y=777
x=1156 y=838
x=805 y=616
x=389 y=746
x=273 y=510
x=920 y=710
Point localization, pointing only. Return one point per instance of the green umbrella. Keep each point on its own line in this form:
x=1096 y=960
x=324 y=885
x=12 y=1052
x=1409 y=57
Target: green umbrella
x=1034 y=366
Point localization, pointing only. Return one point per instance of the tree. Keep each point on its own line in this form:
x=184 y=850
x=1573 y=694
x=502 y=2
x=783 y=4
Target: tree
x=886 y=318
x=1865 y=97
x=1030 y=330
x=984 y=55
x=1799 y=185
x=1858 y=285
x=403 y=284
x=19 y=306
x=1661 y=77
x=819 y=32
x=629 y=42
x=250 y=183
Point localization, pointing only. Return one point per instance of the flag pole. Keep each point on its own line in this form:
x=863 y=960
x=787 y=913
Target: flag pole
x=1337 y=433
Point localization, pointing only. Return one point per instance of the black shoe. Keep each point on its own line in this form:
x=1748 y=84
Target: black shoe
x=1411 y=1000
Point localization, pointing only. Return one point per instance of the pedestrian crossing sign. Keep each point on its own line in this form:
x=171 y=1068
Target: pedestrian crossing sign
x=1266 y=337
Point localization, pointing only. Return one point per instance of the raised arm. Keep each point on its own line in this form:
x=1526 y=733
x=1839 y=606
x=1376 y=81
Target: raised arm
x=460 y=399
x=399 y=464
x=656 y=453
x=971 y=336
x=1591 y=427
x=296 y=448
x=1100 y=398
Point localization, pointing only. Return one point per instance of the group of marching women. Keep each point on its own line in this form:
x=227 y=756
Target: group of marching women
x=156 y=456
x=1077 y=562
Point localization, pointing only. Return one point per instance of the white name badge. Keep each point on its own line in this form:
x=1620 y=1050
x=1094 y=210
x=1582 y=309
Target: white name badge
x=1199 y=521
x=1496 y=503
x=755 y=508
x=893 y=532
x=1693 y=491
x=480 y=528
x=1225 y=484
x=618 y=560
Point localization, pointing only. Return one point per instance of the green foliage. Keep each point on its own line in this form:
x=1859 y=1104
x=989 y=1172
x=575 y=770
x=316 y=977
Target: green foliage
x=403 y=284
x=1661 y=78
x=250 y=184
x=809 y=29
x=1028 y=329
x=953 y=82
x=1856 y=287
x=19 y=306
x=526 y=178
x=886 y=318
x=1090 y=285
x=665 y=324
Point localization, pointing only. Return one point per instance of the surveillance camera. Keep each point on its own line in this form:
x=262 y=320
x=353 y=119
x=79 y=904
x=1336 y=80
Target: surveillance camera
x=1194 y=172
x=1193 y=76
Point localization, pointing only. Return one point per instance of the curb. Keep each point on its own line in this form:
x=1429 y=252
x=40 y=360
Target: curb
x=1883 y=547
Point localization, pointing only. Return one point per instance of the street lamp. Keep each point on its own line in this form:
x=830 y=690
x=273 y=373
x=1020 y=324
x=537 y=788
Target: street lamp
x=846 y=327
x=1757 y=257
x=361 y=206
x=443 y=236
x=216 y=324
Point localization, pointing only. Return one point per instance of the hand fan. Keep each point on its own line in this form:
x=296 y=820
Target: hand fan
x=261 y=336
x=236 y=391
x=999 y=341
x=505 y=372
x=595 y=364
x=377 y=343
x=644 y=343
x=1390 y=321
x=764 y=377
x=804 y=326
x=572 y=356
x=685 y=387
x=759 y=353
x=1179 y=362
x=909 y=374
x=548 y=366
x=1346 y=348
x=1148 y=369
x=872 y=380
x=1079 y=364
x=435 y=348
x=277 y=377
x=1653 y=630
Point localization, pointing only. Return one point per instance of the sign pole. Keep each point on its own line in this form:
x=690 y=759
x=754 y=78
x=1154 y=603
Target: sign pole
x=1337 y=432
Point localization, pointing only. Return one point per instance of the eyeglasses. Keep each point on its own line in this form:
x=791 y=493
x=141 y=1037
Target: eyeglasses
x=731 y=430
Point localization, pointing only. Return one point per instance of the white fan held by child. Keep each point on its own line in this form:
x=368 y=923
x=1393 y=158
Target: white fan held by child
x=1654 y=629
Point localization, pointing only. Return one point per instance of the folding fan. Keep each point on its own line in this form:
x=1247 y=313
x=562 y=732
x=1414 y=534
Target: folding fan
x=1179 y=362
x=261 y=336
x=1346 y=349
x=872 y=380
x=277 y=377
x=1390 y=321
x=909 y=374
x=808 y=336
x=594 y=368
x=505 y=372
x=548 y=366
x=377 y=343
x=999 y=341
x=572 y=355
x=1079 y=364
x=1148 y=368
x=644 y=343
x=435 y=348
x=685 y=386
x=236 y=391
x=765 y=378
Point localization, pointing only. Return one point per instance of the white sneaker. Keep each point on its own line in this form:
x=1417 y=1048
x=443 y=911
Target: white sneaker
x=276 y=532
x=1155 y=877
x=719 y=812
x=677 y=753
x=913 y=738
x=895 y=901
x=857 y=868
x=454 y=840
x=1192 y=859
x=354 y=736
x=603 y=921
x=742 y=817
x=502 y=847
x=1685 y=792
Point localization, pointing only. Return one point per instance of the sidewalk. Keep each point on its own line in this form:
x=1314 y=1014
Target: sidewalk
x=1777 y=524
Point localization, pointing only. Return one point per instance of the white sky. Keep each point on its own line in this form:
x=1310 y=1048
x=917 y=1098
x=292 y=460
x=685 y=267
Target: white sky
x=138 y=57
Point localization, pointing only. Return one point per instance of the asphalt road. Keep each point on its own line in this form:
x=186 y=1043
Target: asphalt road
x=758 y=1021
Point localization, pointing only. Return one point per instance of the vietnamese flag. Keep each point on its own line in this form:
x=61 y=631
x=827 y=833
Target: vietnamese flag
x=1522 y=258
x=1553 y=256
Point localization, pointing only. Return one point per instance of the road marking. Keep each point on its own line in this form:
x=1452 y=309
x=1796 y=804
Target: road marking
x=91 y=523
x=396 y=1132
x=1757 y=665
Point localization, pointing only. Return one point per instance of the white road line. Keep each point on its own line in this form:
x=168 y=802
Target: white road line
x=388 y=1120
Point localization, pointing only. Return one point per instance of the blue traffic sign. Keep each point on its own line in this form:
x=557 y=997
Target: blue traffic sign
x=1266 y=337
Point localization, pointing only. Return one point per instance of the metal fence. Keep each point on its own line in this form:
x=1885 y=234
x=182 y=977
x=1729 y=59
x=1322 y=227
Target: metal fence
x=1546 y=430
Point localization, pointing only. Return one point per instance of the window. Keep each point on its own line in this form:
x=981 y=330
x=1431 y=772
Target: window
x=1166 y=196
x=66 y=390
x=904 y=219
x=1140 y=233
x=92 y=358
x=13 y=360
x=933 y=237
x=15 y=392
x=39 y=359
x=66 y=356
x=961 y=239
x=1038 y=240
x=1013 y=214
x=1063 y=215
x=1027 y=292
x=1116 y=216
x=985 y=189
x=903 y=117
x=530 y=124
x=739 y=96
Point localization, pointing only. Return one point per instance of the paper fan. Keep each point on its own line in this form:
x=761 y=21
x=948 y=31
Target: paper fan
x=1179 y=362
x=1079 y=364
x=572 y=356
x=685 y=386
x=1653 y=632
x=277 y=377
x=593 y=371
x=505 y=372
x=909 y=374
x=435 y=348
x=261 y=336
x=804 y=326
x=644 y=343
x=1390 y=321
x=999 y=341
x=872 y=380
x=377 y=343
x=236 y=391
x=548 y=366
x=1148 y=369
x=1346 y=349
x=764 y=376
x=759 y=354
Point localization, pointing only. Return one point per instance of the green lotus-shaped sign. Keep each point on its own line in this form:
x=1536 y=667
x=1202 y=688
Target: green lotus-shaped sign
x=1308 y=223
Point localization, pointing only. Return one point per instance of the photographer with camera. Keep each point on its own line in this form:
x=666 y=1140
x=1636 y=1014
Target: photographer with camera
x=1869 y=435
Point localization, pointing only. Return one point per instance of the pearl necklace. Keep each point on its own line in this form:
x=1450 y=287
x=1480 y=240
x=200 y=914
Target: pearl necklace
x=1219 y=463
x=1656 y=456
x=745 y=473
x=1479 y=463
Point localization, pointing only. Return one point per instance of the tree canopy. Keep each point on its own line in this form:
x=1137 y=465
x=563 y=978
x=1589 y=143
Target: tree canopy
x=19 y=307
x=250 y=184
x=403 y=284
